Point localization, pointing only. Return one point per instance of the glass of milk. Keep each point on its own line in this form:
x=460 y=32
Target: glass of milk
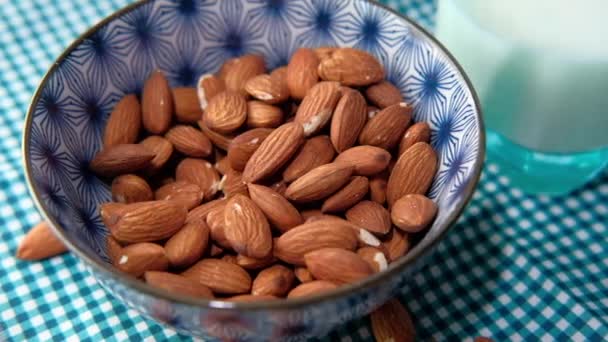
x=540 y=69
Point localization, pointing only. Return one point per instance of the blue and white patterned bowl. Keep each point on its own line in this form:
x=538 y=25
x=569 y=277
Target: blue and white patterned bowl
x=186 y=38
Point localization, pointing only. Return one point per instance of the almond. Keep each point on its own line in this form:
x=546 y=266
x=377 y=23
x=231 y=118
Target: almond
x=374 y=257
x=120 y=159
x=377 y=189
x=260 y=114
x=222 y=165
x=156 y=103
x=351 y=67
x=219 y=140
x=274 y=152
x=396 y=245
x=187 y=107
x=348 y=196
x=386 y=128
x=200 y=212
x=277 y=209
x=114 y=249
x=319 y=182
x=177 y=284
x=367 y=160
x=269 y=89
x=162 y=150
x=310 y=213
x=280 y=74
x=312 y=288
x=187 y=245
x=348 y=120
x=303 y=274
x=413 y=173
x=315 y=152
x=226 y=112
x=124 y=124
x=189 y=141
x=215 y=250
x=413 y=213
x=186 y=194
x=246 y=228
x=371 y=216
x=40 y=243
x=294 y=244
x=338 y=265
x=372 y=111
x=232 y=184
x=138 y=258
x=418 y=132
x=253 y=263
x=383 y=94
x=217 y=227
x=279 y=187
x=143 y=221
x=130 y=189
x=237 y=71
x=392 y=322
x=229 y=258
x=246 y=298
x=244 y=145
x=207 y=87
x=325 y=52
x=199 y=172
x=302 y=72
x=274 y=281
x=317 y=107
x=220 y=276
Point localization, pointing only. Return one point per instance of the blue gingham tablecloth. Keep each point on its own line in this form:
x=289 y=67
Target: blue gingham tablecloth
x=516 y=267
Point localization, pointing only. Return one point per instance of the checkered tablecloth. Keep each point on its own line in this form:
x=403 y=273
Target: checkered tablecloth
x=516 y=267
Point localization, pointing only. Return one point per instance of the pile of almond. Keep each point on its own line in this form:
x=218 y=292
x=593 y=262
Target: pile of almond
x=260 y=185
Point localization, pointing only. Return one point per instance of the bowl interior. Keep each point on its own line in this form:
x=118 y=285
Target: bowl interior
x=188 y=38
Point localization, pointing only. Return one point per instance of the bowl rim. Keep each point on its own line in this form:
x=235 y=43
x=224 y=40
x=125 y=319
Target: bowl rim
x=281 y=304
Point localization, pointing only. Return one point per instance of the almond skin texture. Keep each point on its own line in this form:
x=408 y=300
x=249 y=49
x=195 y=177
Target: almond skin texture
x=374 y=257
x=247 y=229
x=130 y=189
x=226 y=112
x=277 y=209
x=254 y=264
x=371 y=216
x=312 y=288
x=274 y=281
x=413 y=173
x=222 y=164
x=187 y=107
x=338 y=265
x=186 y=194
x=302 y=72
x=274 y=152
x=199 y=172
x=143 y=221
x=319 y=182
x=187 y=245
x=40 y=243
x=348 y=196
x=418 y=132
x=300 y=240
x=138 y=258
x=386 y=128
x=317 y=107
x=237 y=71
x=367 y=160
x=266 y=88
x=217 y=227
x=383 y=94
x=244 y=145
x=315 y=152
x=189 y=141
x=200 y=212
x=162 y=150
x=157 y=103
x=392 y=322
x=351 y=67
x=325 y=52
x=413 y=213
x=348 y=120
x=219 y=140
x=121 y=159
x=303 y=274
x=260 y=114
x=177 y=284
x=377 y=189
x=220 y=276
x=207 y=87
x=114 y=249
x=396 y=245
x=232 y=184
x=124 y=124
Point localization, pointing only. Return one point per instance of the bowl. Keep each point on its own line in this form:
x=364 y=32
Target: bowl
x=187 y=38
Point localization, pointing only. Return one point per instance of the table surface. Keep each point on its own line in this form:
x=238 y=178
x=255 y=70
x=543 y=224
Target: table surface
x=515 y=267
